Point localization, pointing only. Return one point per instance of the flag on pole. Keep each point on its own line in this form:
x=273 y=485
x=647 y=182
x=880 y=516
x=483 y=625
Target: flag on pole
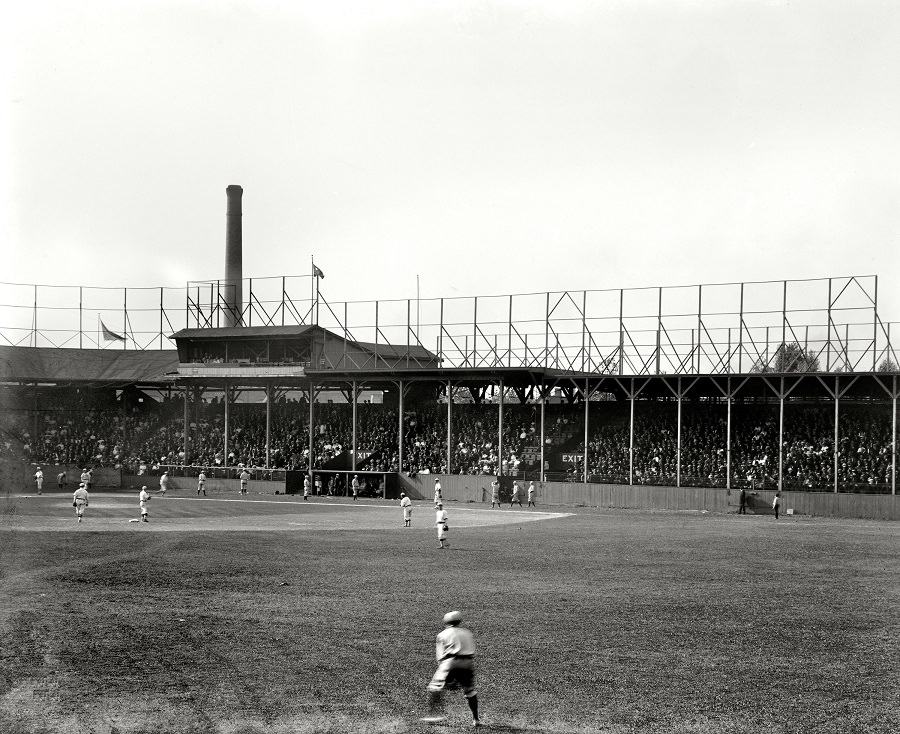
x=110 y=336
x=317 y=272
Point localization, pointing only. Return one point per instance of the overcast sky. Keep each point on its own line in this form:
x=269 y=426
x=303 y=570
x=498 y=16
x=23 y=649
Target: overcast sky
x=487 y=147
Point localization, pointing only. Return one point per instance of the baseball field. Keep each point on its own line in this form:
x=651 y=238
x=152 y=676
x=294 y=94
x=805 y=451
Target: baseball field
x=271 y=615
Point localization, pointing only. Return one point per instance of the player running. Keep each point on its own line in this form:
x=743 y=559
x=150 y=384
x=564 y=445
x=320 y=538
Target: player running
x=515 y=495
x=455 y=652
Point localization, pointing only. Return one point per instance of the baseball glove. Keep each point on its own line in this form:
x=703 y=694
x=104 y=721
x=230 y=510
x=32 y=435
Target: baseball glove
x=74 y=504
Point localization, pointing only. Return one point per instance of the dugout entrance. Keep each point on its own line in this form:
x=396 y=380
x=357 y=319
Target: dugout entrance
x=337 y=483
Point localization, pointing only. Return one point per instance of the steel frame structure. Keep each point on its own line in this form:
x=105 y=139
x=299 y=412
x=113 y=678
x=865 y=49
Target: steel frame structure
x=726 y=328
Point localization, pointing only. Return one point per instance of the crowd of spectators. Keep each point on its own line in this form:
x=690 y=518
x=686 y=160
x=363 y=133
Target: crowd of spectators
x=144 y=439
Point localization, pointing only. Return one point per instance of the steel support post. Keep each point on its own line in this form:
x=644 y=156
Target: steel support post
x=353 y=446
x=187 y=425
x=312 y=417
x=678 y=436
x=500 y=431
x=268 y=420
x=449 y=424
x=587 y=414
x=543 y=405
x=837 y=415
x=781 y=433
x=227 y=424
x=402 y=388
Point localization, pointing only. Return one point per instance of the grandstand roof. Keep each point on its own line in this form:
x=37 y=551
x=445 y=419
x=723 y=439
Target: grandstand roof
x=246 y=332
x=108 y=366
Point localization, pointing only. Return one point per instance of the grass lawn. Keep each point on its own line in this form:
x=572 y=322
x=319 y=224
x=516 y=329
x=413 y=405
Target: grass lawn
x=602 y=621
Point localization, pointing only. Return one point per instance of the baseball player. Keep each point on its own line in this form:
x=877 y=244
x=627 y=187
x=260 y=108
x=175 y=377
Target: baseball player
x=530 y=496
x=354 y=487
x=201 y=483
x=61 y=479
x=515 y=494
x=455 y=652
x=86 y=478
x=39 y=480
x=495 y=493
x=245 y=478
x=440 y=520
x=80 y=501
x=144 y=498
x=163 y=483
x=318 y=481
x=306 y=488
x=438 y=497
x=406 y=504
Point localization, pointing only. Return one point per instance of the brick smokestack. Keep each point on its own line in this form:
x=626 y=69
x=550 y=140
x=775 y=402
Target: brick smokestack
x=233 y=285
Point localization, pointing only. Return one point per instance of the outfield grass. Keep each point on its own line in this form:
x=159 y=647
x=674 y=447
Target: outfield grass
x=605 y=621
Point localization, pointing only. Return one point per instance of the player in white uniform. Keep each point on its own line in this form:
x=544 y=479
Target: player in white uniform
x=163 y=483
x=455 y=652
x=530 y=495
x=440 y=519
x=438 y=497
x=406 y=504
x=201 y=483
x=144 y=498
x=39 y=480
x=354 y=487
x=515 y=495
x=306 y=488
x=80 y=501
x=495 y=493
x=245 y=478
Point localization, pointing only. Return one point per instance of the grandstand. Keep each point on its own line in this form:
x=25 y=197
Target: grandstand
x=667 y=412
x=685 y=392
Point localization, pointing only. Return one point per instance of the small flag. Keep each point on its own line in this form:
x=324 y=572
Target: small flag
x=110 y=336
x=317 y=272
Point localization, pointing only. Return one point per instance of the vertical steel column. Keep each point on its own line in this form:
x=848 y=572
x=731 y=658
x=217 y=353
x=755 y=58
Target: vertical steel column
x=781 y=433
x=741 y=333
x=500 y=432
x=678 y=437
x=546 y=339
x=80 y=327
x=440 y=344
x=187 y=425
x=837 y=404
x=585 y=343
x=621 y=331
x=34 y=320
x=161 y=313
x=509 y=335
x=283 y=294
x=587 y=403
x=828 y=340
x=312 y=415
x=353 y=439
x=543 y=414
x=875 y=327
x=402 y=389
x=268 y=420
x=699 y=325
x=449 y=423
x=894 y=438
x=631 y=437
x=250 y=308
x=475 y=331
x=784 y=322
x=227 y=425
x=728 y=398
x=659 y=331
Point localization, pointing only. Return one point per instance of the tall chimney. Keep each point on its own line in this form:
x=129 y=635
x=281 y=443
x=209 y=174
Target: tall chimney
x=233 y=290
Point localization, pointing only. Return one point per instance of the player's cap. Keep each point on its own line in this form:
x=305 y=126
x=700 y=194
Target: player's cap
x=403 y=494
x=440 y=504
x=144 y=487
x=437 y=480
x=452 y=618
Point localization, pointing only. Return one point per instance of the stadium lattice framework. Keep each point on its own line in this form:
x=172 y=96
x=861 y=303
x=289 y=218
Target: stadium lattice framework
x=776 y=341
